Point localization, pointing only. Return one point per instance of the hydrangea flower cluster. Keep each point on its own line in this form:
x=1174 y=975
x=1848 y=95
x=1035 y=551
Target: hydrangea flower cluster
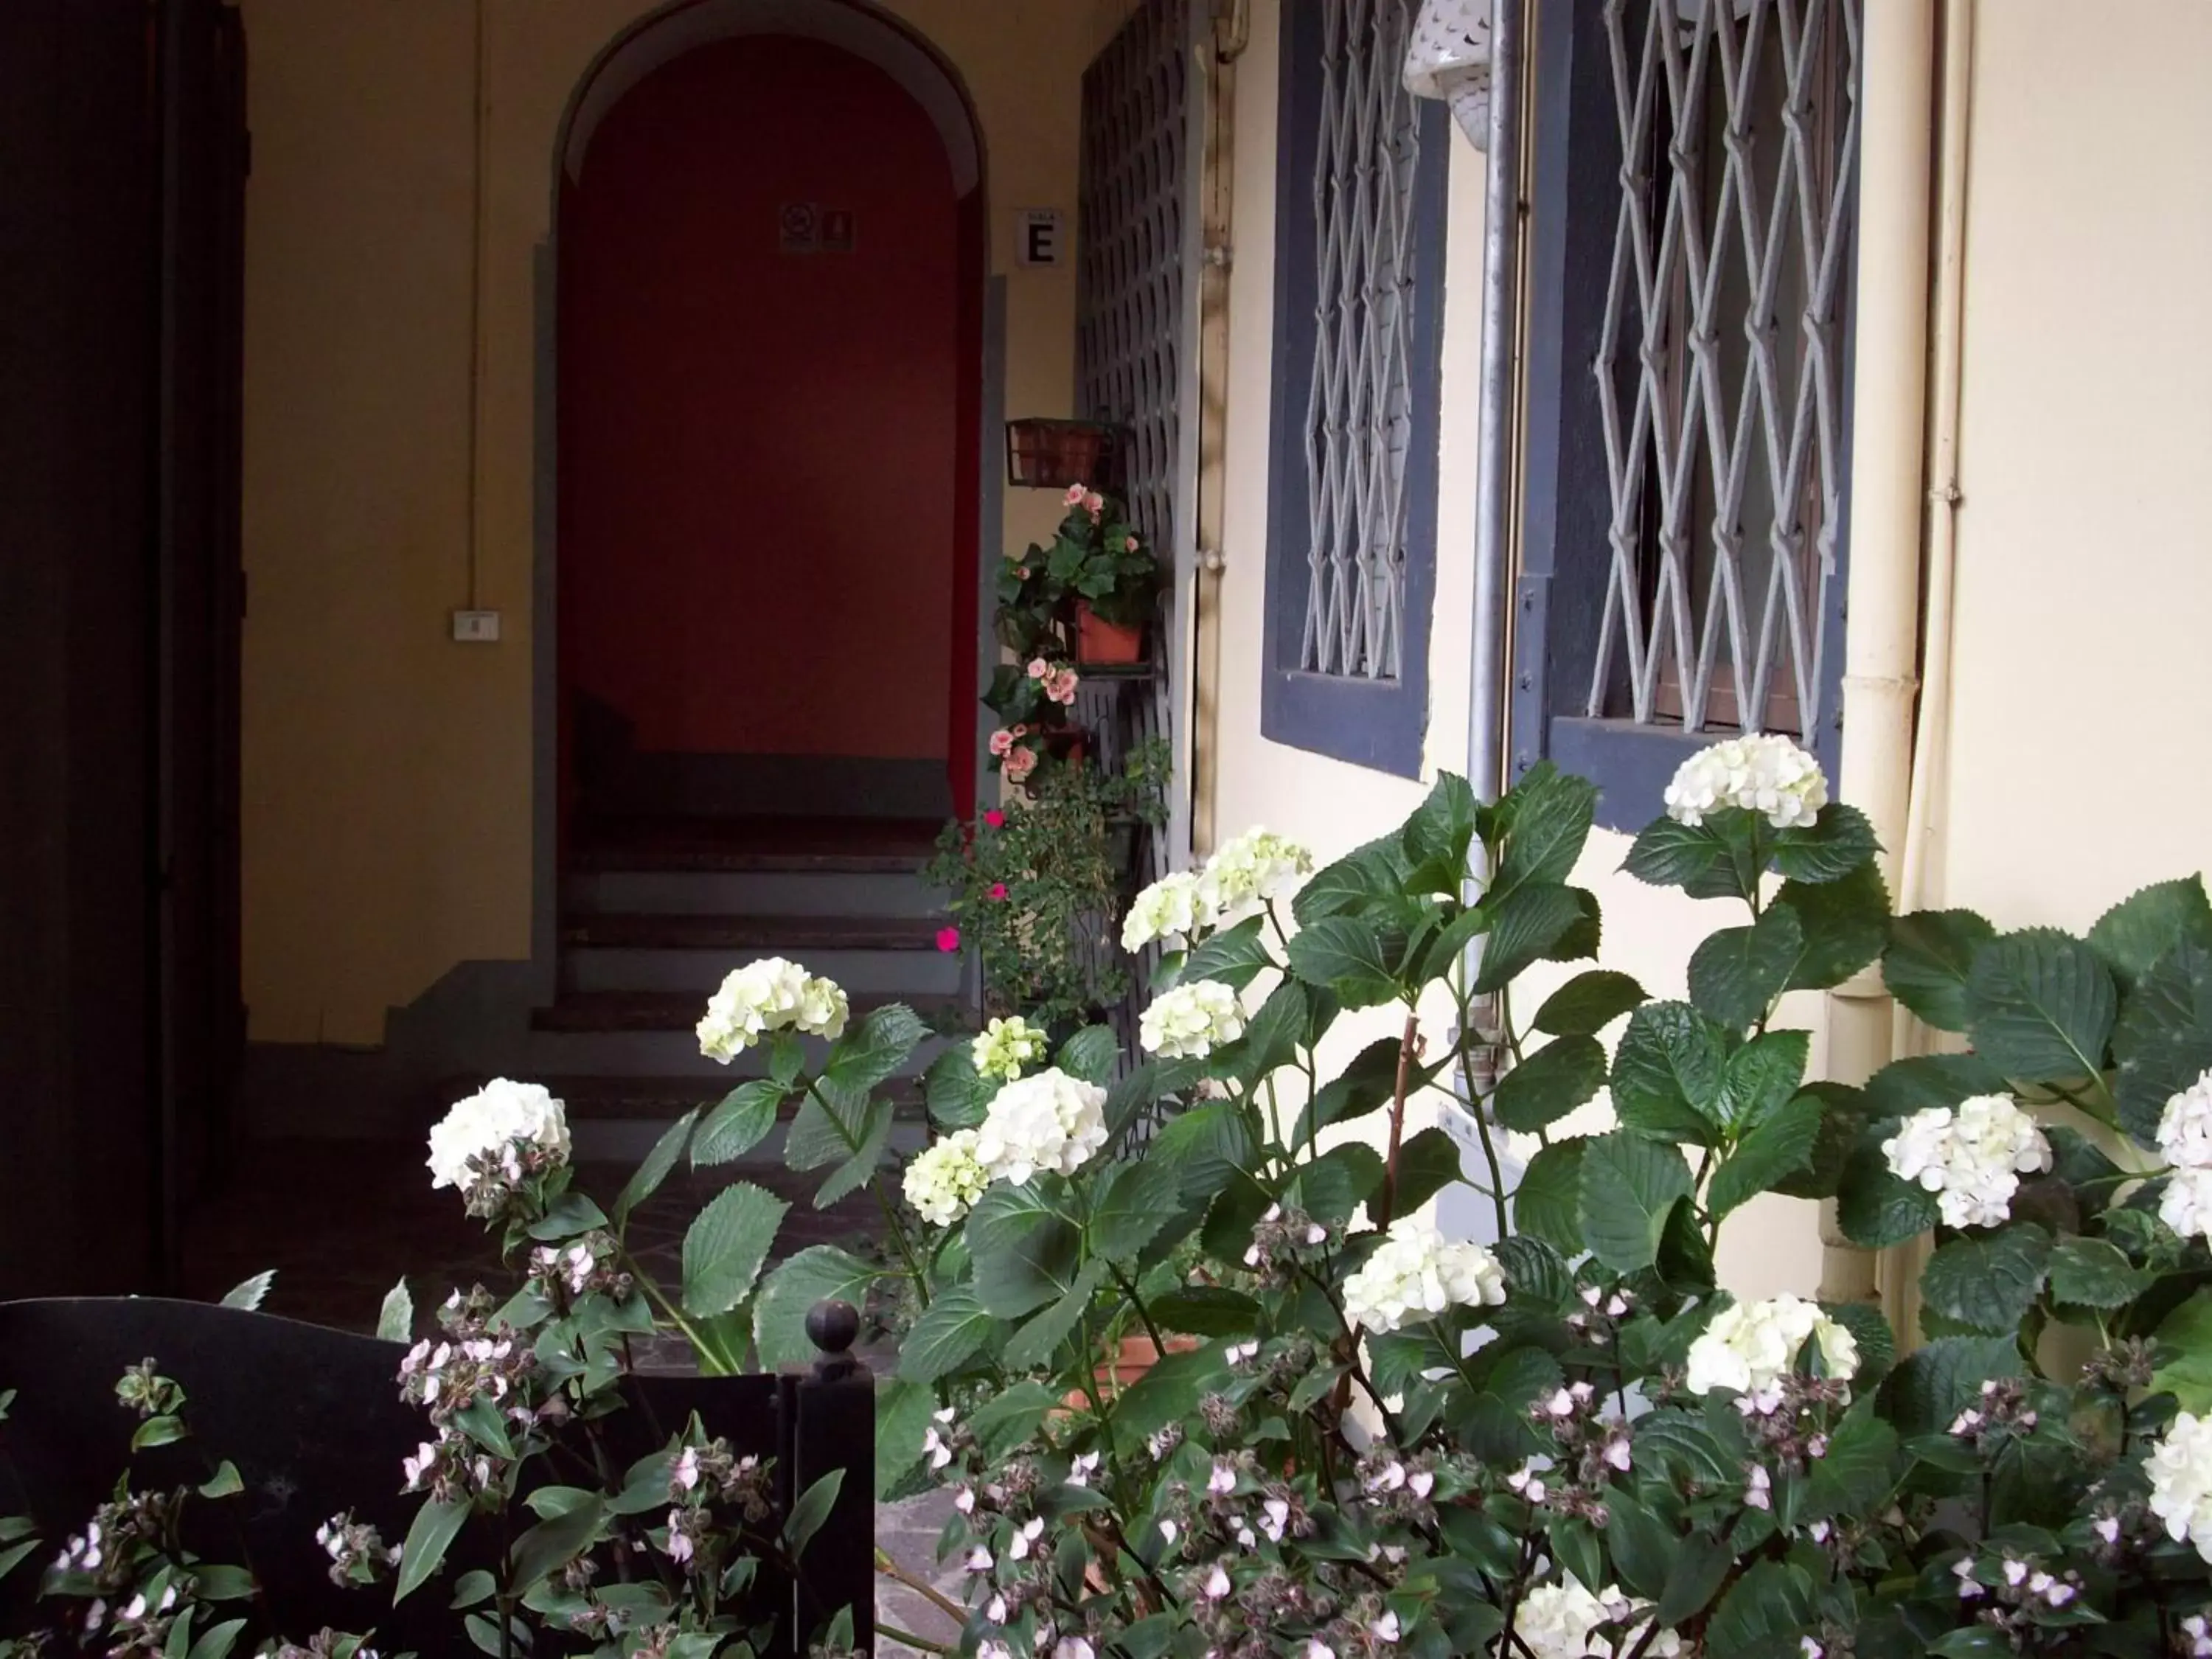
x=2180 y=1470
x=1415 y=1274
x=506 y=1129
x=1241 y=878
x=1561 y=1622
x=1006 y=1048
x=1049 y=1122
x=2184 y=1135
x=1751 y=1346
x=1971 y=1156
x=770 y=995
x=1245 y=874
x=1766 y=775
x=1190 y=1021
x=945 y=1179
x=1169 y=912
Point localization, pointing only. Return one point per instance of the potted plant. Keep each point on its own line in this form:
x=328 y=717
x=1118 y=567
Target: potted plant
x=1033 y=699
x=1110 y=577
x=1031 y=881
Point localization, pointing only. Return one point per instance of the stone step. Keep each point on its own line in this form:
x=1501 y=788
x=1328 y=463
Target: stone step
x=641 y=951
x=908 y=975
x=762 y=935
x=653 y=1035
x=802 y=891
x=665 y=1099
x=679 y=1011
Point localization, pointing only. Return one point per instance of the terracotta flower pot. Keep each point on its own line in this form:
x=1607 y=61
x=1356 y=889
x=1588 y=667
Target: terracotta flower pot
x=1136 y=1356
x=1098 y=641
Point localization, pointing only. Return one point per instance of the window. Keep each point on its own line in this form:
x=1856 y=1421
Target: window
x=1359 y=331
x=1690 y=256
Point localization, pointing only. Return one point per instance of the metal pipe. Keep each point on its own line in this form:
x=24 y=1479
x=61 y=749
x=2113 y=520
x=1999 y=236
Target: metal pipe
x=1888 y=431
x=1494 y=480
x=1947 y=351
x=1230 y=33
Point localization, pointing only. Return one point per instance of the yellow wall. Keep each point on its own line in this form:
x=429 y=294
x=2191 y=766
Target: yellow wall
x=387 y=813
x=2078 y=754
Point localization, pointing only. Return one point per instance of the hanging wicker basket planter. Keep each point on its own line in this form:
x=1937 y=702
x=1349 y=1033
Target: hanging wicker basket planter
x=1043 y=454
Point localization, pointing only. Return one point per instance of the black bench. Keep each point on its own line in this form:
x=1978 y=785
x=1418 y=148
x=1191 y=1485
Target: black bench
x=313 y=1420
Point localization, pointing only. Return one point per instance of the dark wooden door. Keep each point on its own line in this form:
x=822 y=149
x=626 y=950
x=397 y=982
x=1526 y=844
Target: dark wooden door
x=204 y=161
x=118 y=658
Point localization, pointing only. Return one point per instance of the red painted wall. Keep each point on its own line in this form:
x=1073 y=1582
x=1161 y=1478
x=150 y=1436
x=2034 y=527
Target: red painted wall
x=760 y=502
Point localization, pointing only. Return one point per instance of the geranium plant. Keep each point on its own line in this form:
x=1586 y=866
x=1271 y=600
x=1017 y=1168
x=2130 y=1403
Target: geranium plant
x=1096 y=558
x=1032 y=882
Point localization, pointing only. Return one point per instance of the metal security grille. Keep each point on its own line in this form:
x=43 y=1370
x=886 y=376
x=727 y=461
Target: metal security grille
x=1359 y=413
x=1136 y=354
x=1720 y=364
x=1137 y=366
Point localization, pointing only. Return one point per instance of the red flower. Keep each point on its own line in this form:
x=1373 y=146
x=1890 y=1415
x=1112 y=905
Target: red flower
x=995 y=819
x=998 y=889
x=948 y=939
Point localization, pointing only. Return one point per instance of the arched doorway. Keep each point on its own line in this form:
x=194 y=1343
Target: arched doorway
x=770 y=267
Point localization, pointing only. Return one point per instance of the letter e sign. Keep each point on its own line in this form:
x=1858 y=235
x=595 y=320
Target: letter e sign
x=1040 y=231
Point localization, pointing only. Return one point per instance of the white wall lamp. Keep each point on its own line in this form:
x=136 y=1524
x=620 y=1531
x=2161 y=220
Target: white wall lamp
x=1449 y=59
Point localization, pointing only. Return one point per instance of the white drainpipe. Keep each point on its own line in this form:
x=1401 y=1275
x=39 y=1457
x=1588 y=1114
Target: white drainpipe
x=1896 y=113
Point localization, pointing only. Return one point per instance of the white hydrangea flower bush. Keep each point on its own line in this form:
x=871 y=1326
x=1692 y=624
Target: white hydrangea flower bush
x=946 y=1178
x=1751 y=1347
x=765 y=997
x=2179 y=1467
x=1416 y=1273
x=502 y=1132
x=1191 y=1020
x=1245 y=875
x=1767 y=776
x=1049 y=1122
x=1563 y=1620
x=1005 y=1049
x=1971 y=1156
x=1207 y=1366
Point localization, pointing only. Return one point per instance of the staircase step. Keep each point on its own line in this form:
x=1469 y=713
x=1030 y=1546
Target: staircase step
x=664 y=1099
x=830 y=861
x=906 y=975
x=679 y=1011
x=848 y=845
x=798 y=890
x=659 y=930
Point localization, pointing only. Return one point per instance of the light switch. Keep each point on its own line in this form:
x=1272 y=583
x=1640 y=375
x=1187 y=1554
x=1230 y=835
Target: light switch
x=475 y=627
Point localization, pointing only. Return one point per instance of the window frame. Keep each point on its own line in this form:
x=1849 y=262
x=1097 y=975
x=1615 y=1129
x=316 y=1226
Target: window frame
x=1559 y=588
x=1378 y=723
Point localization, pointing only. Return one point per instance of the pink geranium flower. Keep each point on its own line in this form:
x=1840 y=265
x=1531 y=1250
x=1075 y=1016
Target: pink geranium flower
x=1094 y=504
x=995 y=819
x=948 y=939
x=998 y=889
x=1061 y=687
x=1022 y=571
x=1001 y=741
x=1076 y=495
x=1039 y=668
x=1131 y=544
x=1020 y=763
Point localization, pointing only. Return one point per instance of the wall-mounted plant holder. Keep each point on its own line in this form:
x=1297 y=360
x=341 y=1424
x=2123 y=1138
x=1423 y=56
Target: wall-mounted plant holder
x=1043 y=454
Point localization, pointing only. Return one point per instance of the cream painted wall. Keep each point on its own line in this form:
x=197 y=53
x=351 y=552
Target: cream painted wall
x=2078 y=751
x=1333 y=806
x=387 y=793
